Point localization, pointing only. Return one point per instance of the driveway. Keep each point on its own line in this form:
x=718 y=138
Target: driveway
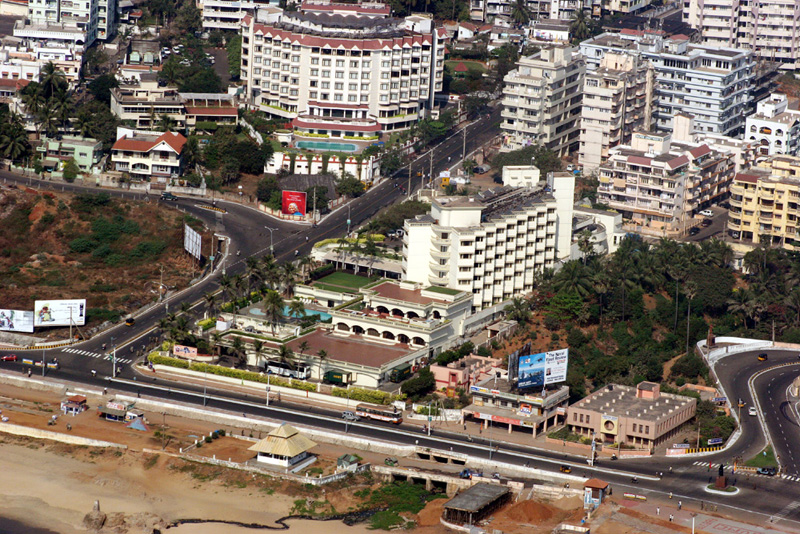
x=220 y=64
x=717 y=228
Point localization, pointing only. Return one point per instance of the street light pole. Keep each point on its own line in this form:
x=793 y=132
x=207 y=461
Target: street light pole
x=348 y=219
x=113 y=358
x=271 y=248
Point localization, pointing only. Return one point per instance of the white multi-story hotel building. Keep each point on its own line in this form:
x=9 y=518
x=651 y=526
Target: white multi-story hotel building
x=336 y=75
x=712 y=84
x=770 y=28
x=492 y=244
x=95 y=18
x=542 y=101
x=617 y=99
x=774 y=127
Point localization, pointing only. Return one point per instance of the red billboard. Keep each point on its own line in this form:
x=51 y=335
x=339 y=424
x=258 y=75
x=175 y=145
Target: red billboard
x=293 y=203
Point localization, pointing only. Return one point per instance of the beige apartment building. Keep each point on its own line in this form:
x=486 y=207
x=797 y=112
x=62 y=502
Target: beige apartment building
x=638 y=416
x=542 y=101
x=335 y=75
x=617 y=99
x=765 y=201
x=659 y=185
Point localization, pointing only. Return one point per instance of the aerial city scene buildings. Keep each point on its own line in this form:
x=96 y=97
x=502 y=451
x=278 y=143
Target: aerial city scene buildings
x=455 y=265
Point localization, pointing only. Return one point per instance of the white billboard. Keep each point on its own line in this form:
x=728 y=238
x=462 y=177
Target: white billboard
x=16 y=320
x=191 y=241
x=555 y=366
x=59 y=312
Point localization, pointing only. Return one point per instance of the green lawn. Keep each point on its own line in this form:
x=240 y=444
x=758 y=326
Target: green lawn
x=471 y=65
x=344 y=280
x=762 y=459
x=443 y=290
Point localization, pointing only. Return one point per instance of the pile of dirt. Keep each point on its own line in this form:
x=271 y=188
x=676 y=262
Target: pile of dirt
x=530 y=512
x=430 y=515
x=569 y=503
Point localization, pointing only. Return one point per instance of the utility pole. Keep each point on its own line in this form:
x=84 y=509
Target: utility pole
x=348 y=219
x=464 y=145
x=430 y=176
x=314 y=209
x=410 y=173
x=271 y=249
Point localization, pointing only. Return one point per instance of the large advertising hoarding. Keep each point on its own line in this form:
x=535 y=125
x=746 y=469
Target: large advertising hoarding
x=191 y=241
x=16 y=320
x=538 y=370
x=59 y=312
x=293 y=203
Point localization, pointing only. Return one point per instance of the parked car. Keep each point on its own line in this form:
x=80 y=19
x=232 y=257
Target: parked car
x=706 y=222
x=707 y=213
x=8 y=358
x=249 y=329
x=763 y=357
x=482 y=169
x=769 y=471
x=752 y=411
x=694 y=230
x=350 y=416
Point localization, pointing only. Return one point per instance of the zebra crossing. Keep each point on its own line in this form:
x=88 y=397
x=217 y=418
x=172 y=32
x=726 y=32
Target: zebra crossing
x=90 y=354
x=729 y=469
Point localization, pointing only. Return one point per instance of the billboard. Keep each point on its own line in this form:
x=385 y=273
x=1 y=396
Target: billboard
x=184 y=351
x=293 y=203
x=59 y=312
x=538 y=370
x=16 y=320
x=192 y=241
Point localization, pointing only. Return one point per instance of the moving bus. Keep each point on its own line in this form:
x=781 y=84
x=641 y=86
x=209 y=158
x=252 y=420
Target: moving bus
x=379 y=413
x=298 y=371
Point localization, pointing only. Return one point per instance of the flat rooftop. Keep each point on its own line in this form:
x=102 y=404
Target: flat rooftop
x=621 y=401
x=476 y=498
x=350 y=349
x=392 y=290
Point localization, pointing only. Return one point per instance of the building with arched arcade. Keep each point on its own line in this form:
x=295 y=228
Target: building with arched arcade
x=774 y=127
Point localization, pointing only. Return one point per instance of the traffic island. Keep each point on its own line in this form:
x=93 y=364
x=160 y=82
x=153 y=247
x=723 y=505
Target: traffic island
x=729 y=491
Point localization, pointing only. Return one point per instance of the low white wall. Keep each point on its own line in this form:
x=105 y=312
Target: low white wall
x=19 y=430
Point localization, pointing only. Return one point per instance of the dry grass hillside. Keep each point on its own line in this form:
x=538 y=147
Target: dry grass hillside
x=105 y=250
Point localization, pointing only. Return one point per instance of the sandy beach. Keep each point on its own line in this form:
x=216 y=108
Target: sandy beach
x=49 y=488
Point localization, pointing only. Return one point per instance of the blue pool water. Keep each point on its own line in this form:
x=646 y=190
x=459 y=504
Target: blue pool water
x=327 y=145
x=322 y=315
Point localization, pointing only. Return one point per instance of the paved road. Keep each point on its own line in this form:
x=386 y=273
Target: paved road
x=779 y=412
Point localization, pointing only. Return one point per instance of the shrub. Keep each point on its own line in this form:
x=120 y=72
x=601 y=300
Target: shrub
x=71 y=170
x=364 y=395
x=82 y=245
x=322 y=271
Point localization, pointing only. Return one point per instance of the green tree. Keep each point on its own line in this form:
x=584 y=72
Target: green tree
x=518 y=310
x=297 y=309
x=71 y=170
x=101 y=87
x=273 y=308
x=350 y=186
x=520 y=13
x=579 y=27
x=234 y=49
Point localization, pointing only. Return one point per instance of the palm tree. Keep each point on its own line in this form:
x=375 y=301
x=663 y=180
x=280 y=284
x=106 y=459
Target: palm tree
x=62 y=105
x=215 y=340
x=343 y=243
x=740 y=302
x=691 y=292
x=518 y=310
x=520 y=13
x=585 y=244
x=602 y=285
x=14 y=143
x=579 y=27
x=286 y=355
x=288 y=278
x=239 y=351
x=253 y=271
x=793 y=303
x=167 y=123
x=191 y=152
x=371 y=250
x=305 y=266
x=51 y=79
x=48 y=119
x=302 y=347
x=572 y=278
x=258 y=350
x=273 y=308
x=296 y=309
x=225 y=285
x=211 y=299
x=322 y=355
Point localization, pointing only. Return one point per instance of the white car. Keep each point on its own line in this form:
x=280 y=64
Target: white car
x=752 y=411
x=707 y=213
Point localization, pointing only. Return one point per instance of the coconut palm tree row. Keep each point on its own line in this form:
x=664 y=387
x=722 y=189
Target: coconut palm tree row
x=14 y=144
x=49 y=101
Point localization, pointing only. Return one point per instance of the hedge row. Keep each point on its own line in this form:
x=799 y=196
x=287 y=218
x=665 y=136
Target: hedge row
x=232 y=373
x=324 y=270
x=207 y=324
x=377 y=238
x=366 y=395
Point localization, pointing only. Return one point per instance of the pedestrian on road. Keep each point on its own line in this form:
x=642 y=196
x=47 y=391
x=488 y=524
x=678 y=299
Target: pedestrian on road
x=680 y=504
x=670 y=518
x=658 y=510
x=670 y=494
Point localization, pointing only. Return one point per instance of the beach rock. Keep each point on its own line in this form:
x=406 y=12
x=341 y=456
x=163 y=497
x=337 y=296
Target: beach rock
x=94 y=520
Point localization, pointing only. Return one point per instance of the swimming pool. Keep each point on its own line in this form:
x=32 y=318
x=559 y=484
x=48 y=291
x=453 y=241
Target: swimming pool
x=322 y=315
x=327 y=145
